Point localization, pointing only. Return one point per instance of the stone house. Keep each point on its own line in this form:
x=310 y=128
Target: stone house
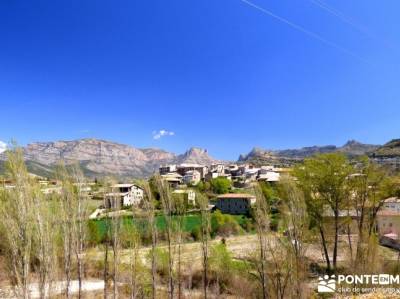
x=235 y=203
x=124 y=195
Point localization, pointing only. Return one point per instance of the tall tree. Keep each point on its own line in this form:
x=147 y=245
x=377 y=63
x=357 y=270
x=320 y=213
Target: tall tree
x=150 y=215
x=73 y=216
x=324 y=180
x=45 y=242
x=17 y=220
x=371 y=185
x=296 y=222
x=261 y=217
x=202 y=201
x=168 y=209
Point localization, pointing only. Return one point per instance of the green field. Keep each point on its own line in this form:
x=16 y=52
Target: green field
x=190 y=223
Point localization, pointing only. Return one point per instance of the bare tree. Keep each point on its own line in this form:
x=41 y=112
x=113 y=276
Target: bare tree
x=80 y=225
x=280 y=270
x=74 y=212
x=261 y=217
x=114 y=234
x=202 y=201
x=150 y=215
x=296 y=222
x=179 y=223
x=168 y=209
x=17 y=222
x=131 y=237
x=45 y=240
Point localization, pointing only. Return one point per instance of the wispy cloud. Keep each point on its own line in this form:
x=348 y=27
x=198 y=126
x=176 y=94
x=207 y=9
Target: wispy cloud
x=158 y=134
x=3 y=146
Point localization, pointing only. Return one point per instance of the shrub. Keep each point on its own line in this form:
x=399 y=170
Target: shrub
x=196 y=233
x=224 y=224
x=221 y=185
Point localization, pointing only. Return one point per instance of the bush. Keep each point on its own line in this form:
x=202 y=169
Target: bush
x=95 y=236
x=224 y=224
x=196 y=233
x=221 y=185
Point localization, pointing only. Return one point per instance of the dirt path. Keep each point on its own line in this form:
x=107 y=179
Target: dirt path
x=57 y=288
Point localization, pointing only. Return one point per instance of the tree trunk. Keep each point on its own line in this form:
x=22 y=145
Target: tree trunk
x=335 y=246
x=105 y=272
x=324 y=245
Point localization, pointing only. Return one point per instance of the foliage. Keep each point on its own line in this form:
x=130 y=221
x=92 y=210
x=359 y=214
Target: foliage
x=324 y=182
x=221 y=185
x=224 y=224
x=162 y=260
x=220 y=261
x=94 y=233
x=203 y=186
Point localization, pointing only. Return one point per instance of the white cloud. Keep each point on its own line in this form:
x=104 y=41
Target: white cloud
x=158 y=134
x=3 y=146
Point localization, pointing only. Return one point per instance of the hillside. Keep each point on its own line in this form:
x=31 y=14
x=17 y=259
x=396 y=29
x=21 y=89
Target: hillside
x=389 y=150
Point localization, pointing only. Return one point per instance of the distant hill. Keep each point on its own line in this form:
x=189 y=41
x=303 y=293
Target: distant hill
x=261 y=156
x=99 y=157
x=390 y=149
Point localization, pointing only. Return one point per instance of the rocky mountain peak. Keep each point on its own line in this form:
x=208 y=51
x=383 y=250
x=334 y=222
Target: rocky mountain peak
x=352 y=142
x=196 y=155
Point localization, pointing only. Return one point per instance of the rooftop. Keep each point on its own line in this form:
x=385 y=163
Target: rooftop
x=122 y=186
x=115 y=194
x=184 y=165
x=125 y=186
x=235 y=195
x=172 y=175
x=392 y=199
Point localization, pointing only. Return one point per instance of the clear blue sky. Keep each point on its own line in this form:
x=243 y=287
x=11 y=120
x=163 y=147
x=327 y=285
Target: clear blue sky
x=220 y=74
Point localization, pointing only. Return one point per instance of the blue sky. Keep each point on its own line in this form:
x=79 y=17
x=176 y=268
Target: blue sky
x=225 y=75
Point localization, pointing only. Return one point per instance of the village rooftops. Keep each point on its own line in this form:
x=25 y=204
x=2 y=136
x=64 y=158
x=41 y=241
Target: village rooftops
x=172 y=174
x=235 y=195
x=187 y=165
x=392 y=200
x=116 y=194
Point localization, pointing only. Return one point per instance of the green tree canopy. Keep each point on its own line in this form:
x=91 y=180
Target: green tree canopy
x=221 y=185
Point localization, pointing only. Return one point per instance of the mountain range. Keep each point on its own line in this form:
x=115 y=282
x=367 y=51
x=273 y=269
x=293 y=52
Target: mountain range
x=352 y=148
x=100 y=158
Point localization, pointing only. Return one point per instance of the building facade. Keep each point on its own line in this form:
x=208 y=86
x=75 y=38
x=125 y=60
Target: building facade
x=124 y=195
x=235 y=203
